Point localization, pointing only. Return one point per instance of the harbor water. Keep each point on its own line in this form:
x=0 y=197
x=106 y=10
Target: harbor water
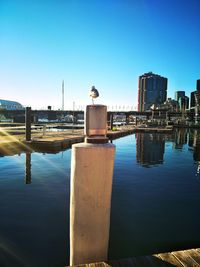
x=155 y=200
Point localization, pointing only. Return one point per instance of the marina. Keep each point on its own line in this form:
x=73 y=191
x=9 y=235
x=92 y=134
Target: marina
x=99 y=133
x=55 y=137
x=34 y=196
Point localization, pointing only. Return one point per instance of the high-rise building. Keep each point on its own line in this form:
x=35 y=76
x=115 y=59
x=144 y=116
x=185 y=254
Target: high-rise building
x=192 y=96
x=183 y=103
x=152 y=89
x=192 y=100
x=179 y=94
x=198 y=85
x=182 y=100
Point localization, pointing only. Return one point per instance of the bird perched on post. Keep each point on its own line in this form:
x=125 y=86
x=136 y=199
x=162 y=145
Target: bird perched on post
x=94 y=93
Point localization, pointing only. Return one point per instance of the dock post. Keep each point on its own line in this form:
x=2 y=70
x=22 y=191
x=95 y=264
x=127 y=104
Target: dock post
x=111 y=121
x=127 y=119
x=136 y=121
x=28 y=123
x=90 y=190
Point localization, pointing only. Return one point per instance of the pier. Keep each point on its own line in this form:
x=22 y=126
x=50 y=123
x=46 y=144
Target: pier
x=182 y=258
x=13 y=141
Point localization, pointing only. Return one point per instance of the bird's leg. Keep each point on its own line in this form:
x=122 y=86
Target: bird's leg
x=92 y=101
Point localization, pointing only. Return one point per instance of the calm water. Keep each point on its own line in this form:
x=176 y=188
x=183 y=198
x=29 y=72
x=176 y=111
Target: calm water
x=155 y=200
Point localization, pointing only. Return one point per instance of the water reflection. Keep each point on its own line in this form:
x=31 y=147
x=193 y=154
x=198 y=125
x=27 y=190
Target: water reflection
x=150 y=149
x=28 y=168
x=180 y=138
x=195 y=138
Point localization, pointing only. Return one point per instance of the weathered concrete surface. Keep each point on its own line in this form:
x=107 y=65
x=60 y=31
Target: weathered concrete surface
x=90 y=200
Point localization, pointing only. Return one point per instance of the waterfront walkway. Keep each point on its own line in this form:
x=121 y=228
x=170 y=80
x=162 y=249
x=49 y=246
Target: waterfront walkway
x=183 y=258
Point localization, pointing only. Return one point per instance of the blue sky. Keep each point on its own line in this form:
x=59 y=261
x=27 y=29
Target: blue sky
x=103 y=43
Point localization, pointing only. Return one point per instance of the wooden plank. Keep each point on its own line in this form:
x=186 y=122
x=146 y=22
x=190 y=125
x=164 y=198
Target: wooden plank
x=171 y=259
x=98 y=264
x=193 y=254
x=185 y=258
x=198 y=250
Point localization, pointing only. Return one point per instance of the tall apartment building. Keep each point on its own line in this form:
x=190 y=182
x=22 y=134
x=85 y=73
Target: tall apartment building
x=183 y=103
x=192 y=99
x=179 y=94
x=198 y=85
x=182 y=100
x=152 y=89
x=192 y=96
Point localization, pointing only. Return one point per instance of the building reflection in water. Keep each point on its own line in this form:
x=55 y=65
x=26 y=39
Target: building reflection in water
x=180 y=138
x=194 y=141
x=28 y=168
x=150 y=148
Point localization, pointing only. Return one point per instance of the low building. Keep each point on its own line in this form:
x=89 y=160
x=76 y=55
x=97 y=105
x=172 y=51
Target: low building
x=10 y=105
x=169 y=104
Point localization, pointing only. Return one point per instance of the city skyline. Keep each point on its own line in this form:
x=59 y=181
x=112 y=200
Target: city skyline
x=108 y=44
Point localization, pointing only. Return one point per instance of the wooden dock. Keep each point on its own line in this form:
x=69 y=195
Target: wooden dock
x=14 y=142
x=183 y=258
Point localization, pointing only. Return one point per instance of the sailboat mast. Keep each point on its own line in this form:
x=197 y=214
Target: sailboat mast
x=63 y=104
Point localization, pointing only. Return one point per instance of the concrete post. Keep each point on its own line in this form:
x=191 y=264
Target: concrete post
x=90 y=191
x=28 y=123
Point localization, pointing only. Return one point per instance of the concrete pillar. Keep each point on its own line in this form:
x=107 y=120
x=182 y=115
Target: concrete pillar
x=90 y=190
x=90 y=201
x=28 y=123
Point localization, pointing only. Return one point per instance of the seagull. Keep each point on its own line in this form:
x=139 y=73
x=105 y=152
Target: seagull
x=94 y=93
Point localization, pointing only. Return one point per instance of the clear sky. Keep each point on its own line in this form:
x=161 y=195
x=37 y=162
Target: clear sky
x=105 y=43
